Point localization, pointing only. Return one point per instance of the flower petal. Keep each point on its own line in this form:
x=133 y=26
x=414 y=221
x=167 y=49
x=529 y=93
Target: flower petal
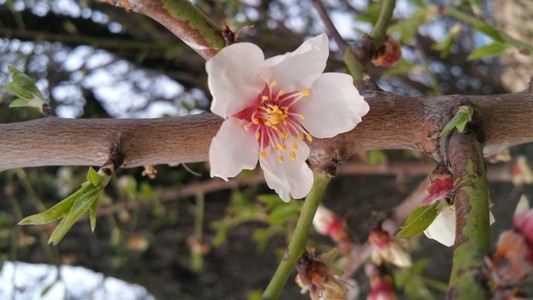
x=233 y=78
x=334 y=106
x=298 y=69
x=443 y=227
x=290 y=178
x=232 y=150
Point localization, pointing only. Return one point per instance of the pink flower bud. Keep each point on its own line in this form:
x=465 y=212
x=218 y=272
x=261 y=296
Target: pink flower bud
x=327 y=223
x=388 y=54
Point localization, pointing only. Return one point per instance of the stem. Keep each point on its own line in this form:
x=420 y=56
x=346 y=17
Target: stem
x=472 y=223
x=385 y=15
x=353 y=64
x=321 y=10
x=196 y=254
x=299 y=237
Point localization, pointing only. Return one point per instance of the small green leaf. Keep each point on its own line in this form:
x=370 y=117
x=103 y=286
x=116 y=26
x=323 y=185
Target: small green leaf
x=490 y=31
x=446 y=44
x=78 y=209
x=55 y=212
x=408 y=28
x=92 y=215
x=419 y=220
x=282 y=213
x=270 y=200
x=402 y=67
x=19 y=102
x=93 y=177
x=24 y=87
x=489 y=50
x=459 y=121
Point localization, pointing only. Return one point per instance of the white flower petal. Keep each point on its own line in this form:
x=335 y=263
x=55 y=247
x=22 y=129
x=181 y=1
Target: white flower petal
x=290 y=178
x=298 y=69
x=399 y=257
x=233 y=78
x=443 y=227
x=333 y=107
x=232 y=150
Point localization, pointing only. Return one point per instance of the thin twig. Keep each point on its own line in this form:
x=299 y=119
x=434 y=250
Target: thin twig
x=321 y=10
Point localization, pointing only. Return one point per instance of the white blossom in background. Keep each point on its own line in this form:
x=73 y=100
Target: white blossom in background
x=386 y=248
x=272 y=106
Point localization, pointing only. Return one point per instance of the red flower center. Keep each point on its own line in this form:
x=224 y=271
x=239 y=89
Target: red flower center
x=273 y=118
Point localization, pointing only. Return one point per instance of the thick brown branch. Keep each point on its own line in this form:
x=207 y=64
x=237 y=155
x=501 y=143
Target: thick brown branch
x=394 y=122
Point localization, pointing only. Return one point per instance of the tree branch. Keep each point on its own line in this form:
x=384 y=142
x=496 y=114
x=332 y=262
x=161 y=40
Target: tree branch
x=394 y=122
x=472 y=212
x=183 y=19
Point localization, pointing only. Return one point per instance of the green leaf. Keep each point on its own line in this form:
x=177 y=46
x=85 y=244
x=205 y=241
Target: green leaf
x=270 y=200
x=489 y=50
x=78 y=209
x=409 y=27
x=92 y=215
x=446 y=44
x=93 y=177
x=55 y=212
x=419 y=220
x=19 y=102
x=282 y=213
x=24 y=87
x=402 y=67
x=490 y=31
x=459 y=121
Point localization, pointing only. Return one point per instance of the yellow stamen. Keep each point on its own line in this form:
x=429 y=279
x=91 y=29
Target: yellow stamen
x=309 y=137
x=246 y=127
x=284 y=135
x=262 y=155
x=302 y=117
x=280 y=159
x=292 y=155
x=273 y=84
x=257 y=135
x=282 y=147
x=306 y=92
x=299 y=137
x=294 y=147
x=256 y=121
x=282 y=92
x=264 y=98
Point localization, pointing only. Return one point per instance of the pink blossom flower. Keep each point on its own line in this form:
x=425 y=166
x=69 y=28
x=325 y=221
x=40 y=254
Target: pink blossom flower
x=523 y=220
x=271 y=106
x=326 y=222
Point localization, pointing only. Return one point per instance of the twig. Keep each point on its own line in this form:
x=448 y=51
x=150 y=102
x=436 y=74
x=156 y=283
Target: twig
x=299 y=237
x=321 y=10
